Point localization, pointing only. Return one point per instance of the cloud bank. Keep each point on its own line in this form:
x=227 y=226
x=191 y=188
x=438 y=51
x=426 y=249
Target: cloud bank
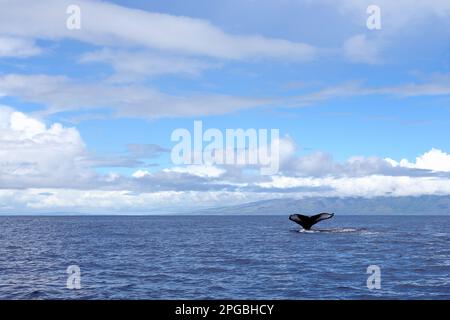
x=47 y=167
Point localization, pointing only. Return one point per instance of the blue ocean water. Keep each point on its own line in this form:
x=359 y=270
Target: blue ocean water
x=224 y=257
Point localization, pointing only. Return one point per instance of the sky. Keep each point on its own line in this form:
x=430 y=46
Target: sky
x=87 y=112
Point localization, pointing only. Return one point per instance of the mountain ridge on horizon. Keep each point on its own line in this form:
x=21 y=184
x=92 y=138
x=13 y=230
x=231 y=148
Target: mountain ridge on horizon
x=408 y=205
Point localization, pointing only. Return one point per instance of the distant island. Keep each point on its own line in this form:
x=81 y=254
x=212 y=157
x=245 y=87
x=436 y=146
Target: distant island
x=438 y=205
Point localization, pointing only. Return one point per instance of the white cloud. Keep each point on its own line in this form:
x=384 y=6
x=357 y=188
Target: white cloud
x=361 y=50
x=17 y=47
x=45 y=168
x=204 y=171
x=435 y=160
x=435 y=85
x=400 y=20
x=60 y=94
x=367 y=186
x=109 y=24
x=135 y=66
x=32 y=154
x=121 y=201
x=140 y=174
x=320 y=164
x=396 y=15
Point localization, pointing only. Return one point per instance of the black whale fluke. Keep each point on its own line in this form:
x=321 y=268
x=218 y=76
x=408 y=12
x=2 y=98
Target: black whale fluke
x=307 y=222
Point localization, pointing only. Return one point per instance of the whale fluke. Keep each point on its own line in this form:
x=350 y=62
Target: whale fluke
x=307 y=222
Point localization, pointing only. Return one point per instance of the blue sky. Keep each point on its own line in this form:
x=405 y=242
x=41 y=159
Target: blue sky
x=361 y=112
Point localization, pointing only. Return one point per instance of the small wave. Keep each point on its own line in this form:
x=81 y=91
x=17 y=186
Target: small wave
x=337 y=230
x=441 y=234
x=436 y=282
x=308 y=231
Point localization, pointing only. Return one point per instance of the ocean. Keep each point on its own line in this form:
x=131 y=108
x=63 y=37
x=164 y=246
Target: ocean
x=223 y=257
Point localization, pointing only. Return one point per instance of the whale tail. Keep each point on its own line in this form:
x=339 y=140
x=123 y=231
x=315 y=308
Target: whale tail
x=307 y=222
